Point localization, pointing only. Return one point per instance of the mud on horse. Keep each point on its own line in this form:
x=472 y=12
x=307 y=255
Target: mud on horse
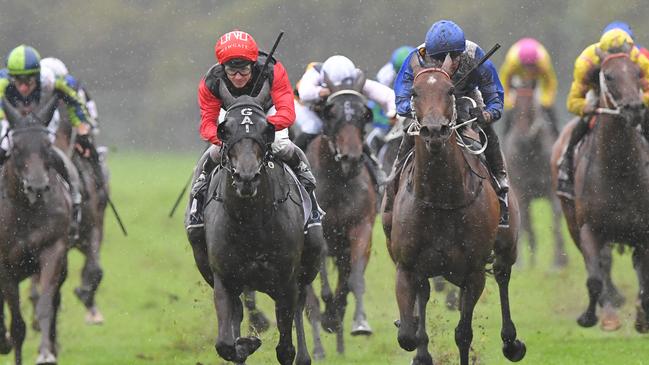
x=611 y=187
x=254 y=230
x=445 y=222
x=528 y=145
x=347 y=193
x=35 y=209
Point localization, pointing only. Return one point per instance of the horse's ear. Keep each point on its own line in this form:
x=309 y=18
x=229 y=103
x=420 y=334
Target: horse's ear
x=448 y=64
x=329 y=83
x=359 y=83
x=45 y=110
x=263 y=93
x=226 y=95
x=11 y=113
x=269 y=133
x=368 y=117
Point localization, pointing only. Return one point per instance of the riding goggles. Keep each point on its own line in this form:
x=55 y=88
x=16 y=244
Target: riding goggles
x=241 y=70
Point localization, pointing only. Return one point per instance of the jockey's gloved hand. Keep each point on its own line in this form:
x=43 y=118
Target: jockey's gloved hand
x=84 y=145
x=483 y=118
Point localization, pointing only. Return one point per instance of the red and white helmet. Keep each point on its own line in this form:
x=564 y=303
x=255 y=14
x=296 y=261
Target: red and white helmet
x=236 y=45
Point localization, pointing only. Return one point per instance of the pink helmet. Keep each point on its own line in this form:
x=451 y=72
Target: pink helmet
x=528 y=51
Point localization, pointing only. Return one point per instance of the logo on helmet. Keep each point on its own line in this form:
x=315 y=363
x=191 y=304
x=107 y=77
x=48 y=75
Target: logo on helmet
x=235 y=34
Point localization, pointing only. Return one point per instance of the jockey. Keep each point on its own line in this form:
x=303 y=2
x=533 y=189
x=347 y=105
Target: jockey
x=389 y=71
x=613 y=41
x=25 y=86
x=528 y=60
x=447 y=38
x=340 y=70
x=627 y=28
x=61 y=70
x=239 y=63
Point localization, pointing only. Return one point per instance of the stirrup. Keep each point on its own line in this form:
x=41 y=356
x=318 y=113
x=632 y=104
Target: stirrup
x=565 y=189
x=503 y=221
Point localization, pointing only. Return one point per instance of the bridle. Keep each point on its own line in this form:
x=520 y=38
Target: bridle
x=415 y=126
x=331 y=140
x=613 y=108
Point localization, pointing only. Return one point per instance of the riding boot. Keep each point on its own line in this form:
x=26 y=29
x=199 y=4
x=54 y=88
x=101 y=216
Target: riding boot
x=69 y=173
x=565 y=178
x=496 y=163
x=298 y=162
x=198 y=194
x=374 y=167
x=303 y=140
x=551 y=115
x=407 y=143
x=4 y=155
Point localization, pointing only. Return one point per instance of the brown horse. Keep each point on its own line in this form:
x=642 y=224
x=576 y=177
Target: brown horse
x=445 y=222
x=35 y=211
x=528 y=145
x=611 y=187
x=348 y=195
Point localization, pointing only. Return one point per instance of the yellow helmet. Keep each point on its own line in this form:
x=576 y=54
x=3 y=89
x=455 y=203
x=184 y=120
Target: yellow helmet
x=615 y=40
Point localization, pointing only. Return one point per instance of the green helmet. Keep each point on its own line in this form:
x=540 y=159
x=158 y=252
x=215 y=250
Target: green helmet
x=399 y=56
x=23 y=60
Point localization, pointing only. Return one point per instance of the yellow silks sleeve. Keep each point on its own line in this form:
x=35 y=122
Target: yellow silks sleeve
x=586 y=61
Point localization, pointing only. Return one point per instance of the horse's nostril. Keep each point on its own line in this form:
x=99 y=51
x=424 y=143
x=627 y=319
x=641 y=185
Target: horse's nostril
x=444 y=130
x=424 y=132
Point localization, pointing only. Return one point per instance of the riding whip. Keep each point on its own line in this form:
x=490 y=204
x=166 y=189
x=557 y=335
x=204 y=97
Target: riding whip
x=482 y=60
x=262 y=75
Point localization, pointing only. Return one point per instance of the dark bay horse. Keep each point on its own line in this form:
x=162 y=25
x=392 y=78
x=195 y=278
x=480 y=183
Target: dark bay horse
x=35 y=212
x=528 y=145
x=254 y=229
x=611 y=187
x=94 y=189
x=348 y=195
x=445 y=222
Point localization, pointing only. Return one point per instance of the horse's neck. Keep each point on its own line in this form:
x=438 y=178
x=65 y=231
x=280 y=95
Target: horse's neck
x=442 y=176
x=248 y=210
x=10 y=181
x=619 y=148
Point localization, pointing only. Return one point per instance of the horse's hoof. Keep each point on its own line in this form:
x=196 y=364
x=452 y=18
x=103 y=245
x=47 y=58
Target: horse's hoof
x=361 y=328
x=318 y=354
x=330 y=323
x=94 y=317
x=46 y=359
x=587 y=320
x=514 y=351
x=246 y=346
x=610 y=322
x=407 y=342
x=259 y=322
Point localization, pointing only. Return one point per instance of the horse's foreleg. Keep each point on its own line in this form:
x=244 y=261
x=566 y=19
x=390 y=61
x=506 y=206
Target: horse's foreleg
x=406 y=293
x=199 y=248
x=423 y=295
x=33 y=298
x=256 y=318
x=590 y=249
x=560 y=255
x=513 y=349
x=343 y=263
x=329 y=322
x=285 y=310
x=303 y=357
x=527 y=228
x=91 y=276
x=610 y=294
x=361 y=244
x=11 y=294
x=5 y=340
x=641 y=264
x=312 y=306
x=473 y=287
x=224 y=301
x=53 y=270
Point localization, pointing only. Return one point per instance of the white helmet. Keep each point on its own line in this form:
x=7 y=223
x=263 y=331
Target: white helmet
x=339 y=69
x=55 y=65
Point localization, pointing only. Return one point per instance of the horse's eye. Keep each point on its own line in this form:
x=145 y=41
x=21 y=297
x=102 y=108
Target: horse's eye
x=608 y=77
x=414 y=94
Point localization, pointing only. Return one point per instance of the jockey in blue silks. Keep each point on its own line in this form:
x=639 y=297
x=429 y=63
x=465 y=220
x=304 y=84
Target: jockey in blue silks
x=483 y=85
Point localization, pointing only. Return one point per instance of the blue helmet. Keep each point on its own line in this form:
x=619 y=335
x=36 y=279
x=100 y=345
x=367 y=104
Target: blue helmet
x=443 y=37
x=619 y=25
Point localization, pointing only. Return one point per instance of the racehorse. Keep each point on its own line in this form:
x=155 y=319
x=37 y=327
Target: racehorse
x=445 y=222
x=611 y=187
x=254 y=230
x=528 y=145
x=35 y=211
x=347 y=193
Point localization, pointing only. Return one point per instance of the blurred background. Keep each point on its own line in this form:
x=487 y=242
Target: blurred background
x=142 y=59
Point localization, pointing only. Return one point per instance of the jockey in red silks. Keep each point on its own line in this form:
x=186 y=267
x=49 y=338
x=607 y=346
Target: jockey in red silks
x=239 y=64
